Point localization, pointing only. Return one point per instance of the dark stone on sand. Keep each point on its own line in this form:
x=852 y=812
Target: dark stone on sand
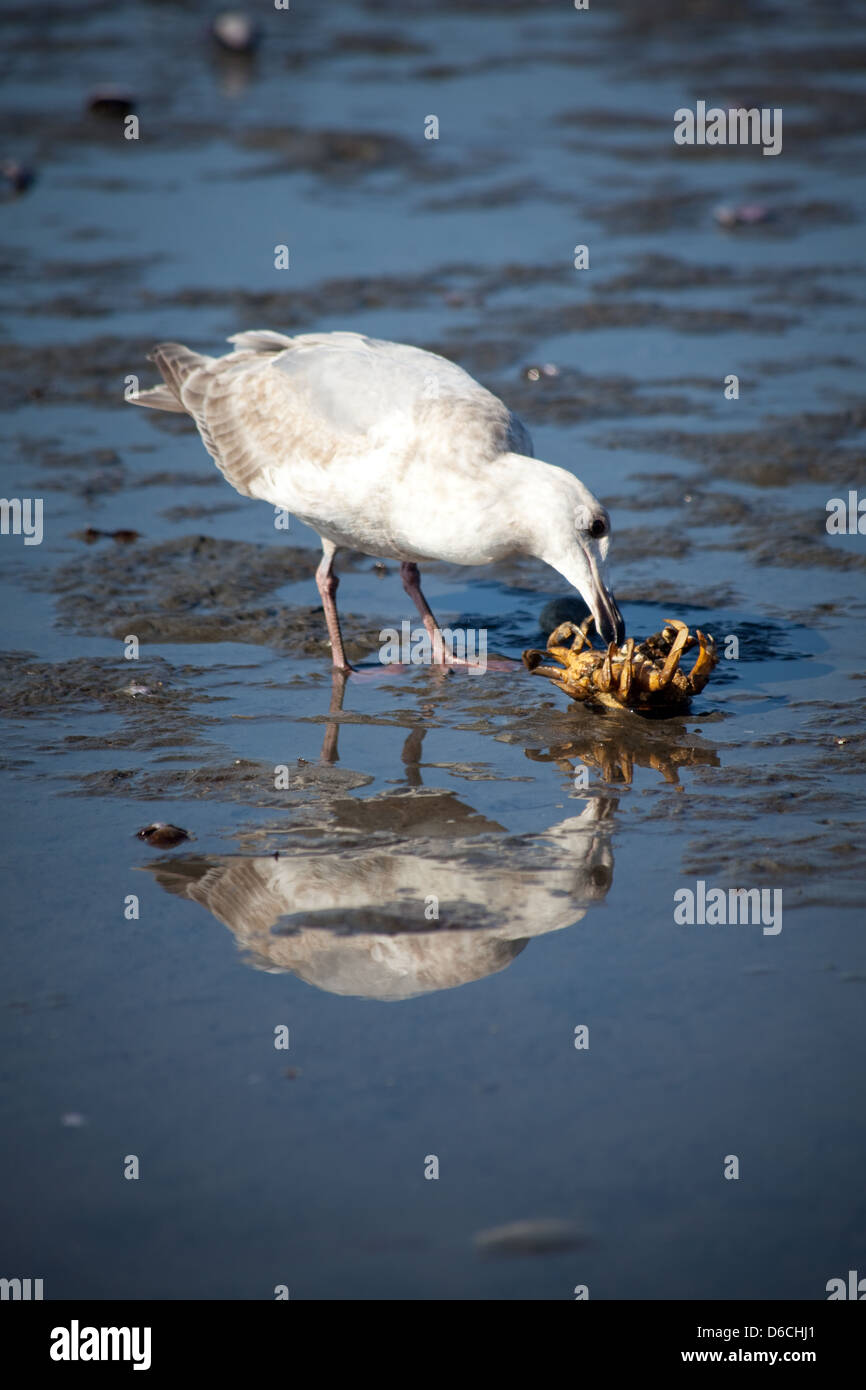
x=161 y=835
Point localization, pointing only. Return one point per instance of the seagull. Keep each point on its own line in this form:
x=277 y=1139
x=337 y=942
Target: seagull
x=390 y=450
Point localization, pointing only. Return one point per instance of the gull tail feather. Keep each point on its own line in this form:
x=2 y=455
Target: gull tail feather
x=159 y=398
x=176 y=363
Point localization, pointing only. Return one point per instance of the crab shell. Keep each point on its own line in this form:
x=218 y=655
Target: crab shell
x=644 y=675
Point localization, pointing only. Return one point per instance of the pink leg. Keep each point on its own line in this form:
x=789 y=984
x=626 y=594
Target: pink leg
x=327 y=582
x=441 y=654
x=412 y=584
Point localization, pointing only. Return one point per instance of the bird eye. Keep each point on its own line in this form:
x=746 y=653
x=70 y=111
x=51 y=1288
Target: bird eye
x=598 y=527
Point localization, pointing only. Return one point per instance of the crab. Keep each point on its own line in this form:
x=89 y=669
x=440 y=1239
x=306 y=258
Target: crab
x=642 y=676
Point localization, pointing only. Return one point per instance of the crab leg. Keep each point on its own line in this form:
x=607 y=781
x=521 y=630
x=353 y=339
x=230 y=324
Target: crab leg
x=706 y=660
x=562 y=654
x=605 y=675
x=625 y=675
x=531 y=660
x=554 y=673
x=568 y=629
x=658 y=680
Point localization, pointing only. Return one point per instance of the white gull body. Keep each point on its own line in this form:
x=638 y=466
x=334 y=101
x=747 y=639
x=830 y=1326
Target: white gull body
x=389 y=450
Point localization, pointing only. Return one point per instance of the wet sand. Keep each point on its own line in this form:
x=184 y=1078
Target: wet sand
x=323 y=824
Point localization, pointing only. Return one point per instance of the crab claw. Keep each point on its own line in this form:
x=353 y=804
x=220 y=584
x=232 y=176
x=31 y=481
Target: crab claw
x=532 y=661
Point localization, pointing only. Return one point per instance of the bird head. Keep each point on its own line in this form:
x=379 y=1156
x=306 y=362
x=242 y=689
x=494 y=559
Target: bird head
x=577 y=547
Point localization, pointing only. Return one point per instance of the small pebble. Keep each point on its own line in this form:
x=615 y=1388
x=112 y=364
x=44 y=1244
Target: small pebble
x=114 y=102
x=162 y=835
x=544 y=1237
x=124 y=536
x=745 y=215
x=235 y=32
x=15 y=177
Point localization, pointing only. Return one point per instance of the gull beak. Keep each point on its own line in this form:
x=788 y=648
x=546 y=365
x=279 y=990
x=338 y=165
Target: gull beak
x=602 y=605
x=608 y=619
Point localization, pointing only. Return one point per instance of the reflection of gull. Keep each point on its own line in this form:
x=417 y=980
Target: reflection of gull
x=389 y=450
x=355 y=924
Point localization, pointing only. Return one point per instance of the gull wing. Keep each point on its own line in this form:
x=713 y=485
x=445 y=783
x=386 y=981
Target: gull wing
x=318 y=396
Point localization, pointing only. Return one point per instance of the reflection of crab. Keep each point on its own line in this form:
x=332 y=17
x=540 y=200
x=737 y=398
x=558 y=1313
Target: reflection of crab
x=643 y=675
x=616 y=760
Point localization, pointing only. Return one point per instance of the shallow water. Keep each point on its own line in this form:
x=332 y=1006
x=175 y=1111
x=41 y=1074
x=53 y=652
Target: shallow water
x=303 y=906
